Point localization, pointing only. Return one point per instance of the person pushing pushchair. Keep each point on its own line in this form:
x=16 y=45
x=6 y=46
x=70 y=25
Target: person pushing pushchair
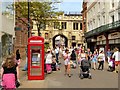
x=85 y=69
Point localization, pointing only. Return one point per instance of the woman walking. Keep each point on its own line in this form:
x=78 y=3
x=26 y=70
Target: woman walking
x=73 y=58
x=9 y=73
x=67 y=62
x=101 y=59
x=94 y=59
x=82 y=56
x=18 y=56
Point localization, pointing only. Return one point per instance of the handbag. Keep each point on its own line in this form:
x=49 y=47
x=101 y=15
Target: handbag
x=17 y=83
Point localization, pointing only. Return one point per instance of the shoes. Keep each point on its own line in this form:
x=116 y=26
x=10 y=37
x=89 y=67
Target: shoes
x=98 y=69
x=69 y=75
x=116 y=71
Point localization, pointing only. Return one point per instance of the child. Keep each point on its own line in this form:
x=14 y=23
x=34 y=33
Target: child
x=48 y=62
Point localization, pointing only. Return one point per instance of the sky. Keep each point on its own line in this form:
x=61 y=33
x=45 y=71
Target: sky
x=65 y=5
x=71 y=5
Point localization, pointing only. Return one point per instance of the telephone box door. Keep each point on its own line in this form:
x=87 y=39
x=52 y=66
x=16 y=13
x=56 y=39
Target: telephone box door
x=35 y=60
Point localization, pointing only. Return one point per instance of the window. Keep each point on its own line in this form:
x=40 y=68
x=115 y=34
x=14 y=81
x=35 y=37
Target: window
x=104 y=4
x=64 y=25
x=99 y=5
x=98 y=21
x=46 y=35
x=104 y=20
x=73 y=37
x=81 y=26
x=112 y=3
x=112 y=18
x=56 y=25
x=93 y=23
x=75 y=26
x=88 y=26
x=119 y=16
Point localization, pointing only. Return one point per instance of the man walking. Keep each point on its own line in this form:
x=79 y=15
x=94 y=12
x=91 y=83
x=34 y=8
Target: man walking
x=57 y=53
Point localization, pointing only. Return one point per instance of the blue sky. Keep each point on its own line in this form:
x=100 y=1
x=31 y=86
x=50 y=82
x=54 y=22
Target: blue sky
x=65 y=5
x=71 y=5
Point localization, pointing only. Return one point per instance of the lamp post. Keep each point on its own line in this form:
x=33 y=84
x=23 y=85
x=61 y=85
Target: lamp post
x=28 y=19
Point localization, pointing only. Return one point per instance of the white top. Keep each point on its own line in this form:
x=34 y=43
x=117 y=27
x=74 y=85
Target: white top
x=63 y=53
x=101 y=56
x=48 y=58
x=56 y=50
x=110 y=63
x=66 y=56
x=116 y=55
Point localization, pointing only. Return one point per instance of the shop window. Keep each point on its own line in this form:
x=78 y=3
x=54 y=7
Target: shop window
x=111 y=41
x=117 y=41
x=103 y=42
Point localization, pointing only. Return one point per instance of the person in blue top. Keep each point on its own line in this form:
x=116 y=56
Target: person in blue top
x=108 y=54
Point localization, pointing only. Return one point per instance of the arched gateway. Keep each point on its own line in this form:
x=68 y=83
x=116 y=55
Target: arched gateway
x=60 y=40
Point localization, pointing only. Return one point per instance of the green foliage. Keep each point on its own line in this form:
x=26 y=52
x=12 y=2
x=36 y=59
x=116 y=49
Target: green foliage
x=39 y=11
x=46 y=46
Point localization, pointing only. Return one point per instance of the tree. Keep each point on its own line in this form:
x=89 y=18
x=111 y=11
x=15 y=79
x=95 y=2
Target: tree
x=40 y=12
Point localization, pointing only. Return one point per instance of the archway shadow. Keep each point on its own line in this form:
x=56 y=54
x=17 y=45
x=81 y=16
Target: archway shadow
x=63 y=36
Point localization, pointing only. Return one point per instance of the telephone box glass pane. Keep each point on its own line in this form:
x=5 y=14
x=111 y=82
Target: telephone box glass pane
x=36 y=61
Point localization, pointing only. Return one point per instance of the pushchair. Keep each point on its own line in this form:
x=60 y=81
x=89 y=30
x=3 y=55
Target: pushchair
x=85 y=69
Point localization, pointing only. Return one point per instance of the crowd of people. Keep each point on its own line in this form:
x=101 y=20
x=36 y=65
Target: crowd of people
x=53 y=57
x=73 y=56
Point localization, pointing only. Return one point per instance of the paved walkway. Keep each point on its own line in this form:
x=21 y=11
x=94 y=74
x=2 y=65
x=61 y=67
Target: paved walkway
x=100 y=79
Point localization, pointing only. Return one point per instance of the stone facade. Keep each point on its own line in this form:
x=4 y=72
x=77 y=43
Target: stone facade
x=70 y=28
x=6 y=32
x=103 y=20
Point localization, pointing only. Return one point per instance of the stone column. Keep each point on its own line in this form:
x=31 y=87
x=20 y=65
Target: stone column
x=107 y=42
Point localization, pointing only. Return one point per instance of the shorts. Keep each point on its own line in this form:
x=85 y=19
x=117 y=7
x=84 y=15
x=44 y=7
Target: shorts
x=117 y=62
x=66 y=62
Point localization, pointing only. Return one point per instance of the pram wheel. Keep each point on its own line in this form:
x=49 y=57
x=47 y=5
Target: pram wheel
x=90 y=77
x=81 y=76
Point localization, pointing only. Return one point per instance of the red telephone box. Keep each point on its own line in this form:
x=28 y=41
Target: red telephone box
x=36 y=58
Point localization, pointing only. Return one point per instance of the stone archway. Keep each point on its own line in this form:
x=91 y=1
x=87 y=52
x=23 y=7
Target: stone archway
x=64 y=38
x=6 y=40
